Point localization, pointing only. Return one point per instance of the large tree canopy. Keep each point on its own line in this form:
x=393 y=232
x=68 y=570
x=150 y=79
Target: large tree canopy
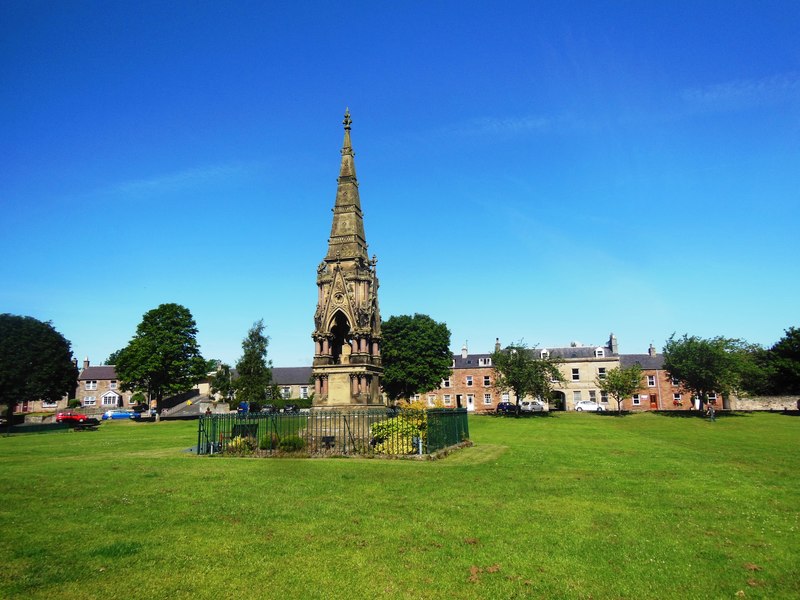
x=526 y=372
x=415 y=354
x=705 y=366
x=163 y=358
x=35 y=362
x=785 y=362
x=253 y=370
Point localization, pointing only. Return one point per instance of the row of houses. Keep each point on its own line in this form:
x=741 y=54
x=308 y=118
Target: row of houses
x=471 y=383
x=472 y=380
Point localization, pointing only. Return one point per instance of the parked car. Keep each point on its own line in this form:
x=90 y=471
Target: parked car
x=71 y=416
x=121 y=413
x=506 y=408
x=291 y=408
x=531 y=406
x=589 y=405
x=269 y=409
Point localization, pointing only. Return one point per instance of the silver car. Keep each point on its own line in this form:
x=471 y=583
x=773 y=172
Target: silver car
x=531 y=406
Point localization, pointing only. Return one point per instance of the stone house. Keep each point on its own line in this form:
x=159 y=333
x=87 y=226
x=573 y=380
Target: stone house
x=471 y=384
x=98 y=387
x=293 y=382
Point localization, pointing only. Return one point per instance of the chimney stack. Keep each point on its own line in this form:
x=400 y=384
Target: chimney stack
x=651 y=350
x=86 y=363
x=464 y=350
x=497 y=344
x=612 y=343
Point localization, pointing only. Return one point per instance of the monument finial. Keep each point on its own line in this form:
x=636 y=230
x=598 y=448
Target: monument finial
x=347 y=119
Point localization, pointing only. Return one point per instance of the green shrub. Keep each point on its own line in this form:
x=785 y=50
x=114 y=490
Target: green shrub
x=73 y=403
x=269 y=442
x=395 y=435
x=241 y=445
x=292 y=443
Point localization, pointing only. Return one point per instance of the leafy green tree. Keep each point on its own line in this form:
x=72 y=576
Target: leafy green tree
x=619 y=383
x=35 y=362
x=785 y=361
x=520 y=369
x=415 y=354
x=253 y=369
x=113 y=357
x=163 y=358
x=718 y=365
x=222 y=383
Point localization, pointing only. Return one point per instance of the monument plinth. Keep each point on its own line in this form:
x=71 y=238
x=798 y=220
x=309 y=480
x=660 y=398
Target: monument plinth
x=347 y=323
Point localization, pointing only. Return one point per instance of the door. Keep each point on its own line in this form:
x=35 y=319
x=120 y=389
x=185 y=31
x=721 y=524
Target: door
x=470 y=402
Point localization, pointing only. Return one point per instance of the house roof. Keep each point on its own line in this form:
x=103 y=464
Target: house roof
x=291 y=375
x=578 y=351
x=645 y=361
x=97 y=373
x=471 y=361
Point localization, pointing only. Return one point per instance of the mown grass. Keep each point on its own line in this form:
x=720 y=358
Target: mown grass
x=569 y=506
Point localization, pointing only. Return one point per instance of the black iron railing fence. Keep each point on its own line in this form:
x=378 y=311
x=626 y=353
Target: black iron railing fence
x=332 y=432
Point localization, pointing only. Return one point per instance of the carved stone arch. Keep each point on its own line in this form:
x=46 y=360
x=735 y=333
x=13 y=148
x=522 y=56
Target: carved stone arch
x=341 y=331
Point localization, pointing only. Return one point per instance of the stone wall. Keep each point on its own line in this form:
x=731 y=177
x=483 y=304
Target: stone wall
x=766 y=403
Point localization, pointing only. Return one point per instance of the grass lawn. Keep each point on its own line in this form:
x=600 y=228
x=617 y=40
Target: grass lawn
x=563 y=506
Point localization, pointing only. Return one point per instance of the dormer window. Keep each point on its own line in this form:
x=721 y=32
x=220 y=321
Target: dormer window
x=544 y=354
x=599 y=352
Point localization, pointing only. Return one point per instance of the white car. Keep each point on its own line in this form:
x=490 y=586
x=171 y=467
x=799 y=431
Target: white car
x=531 y=406
x=591 y=405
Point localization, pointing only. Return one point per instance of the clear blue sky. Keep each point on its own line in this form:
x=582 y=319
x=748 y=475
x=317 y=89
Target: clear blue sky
x=540 y=171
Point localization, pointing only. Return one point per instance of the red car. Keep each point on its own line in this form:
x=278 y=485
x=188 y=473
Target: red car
x=70 y=416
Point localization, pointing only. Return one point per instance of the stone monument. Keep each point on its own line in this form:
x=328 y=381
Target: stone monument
x=347 y=323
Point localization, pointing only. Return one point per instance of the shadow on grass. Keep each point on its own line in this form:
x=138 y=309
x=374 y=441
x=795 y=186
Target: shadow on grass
x=525 y=415
x=698 y=414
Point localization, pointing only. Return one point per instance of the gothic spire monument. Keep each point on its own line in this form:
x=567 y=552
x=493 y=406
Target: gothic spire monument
x=347 y=323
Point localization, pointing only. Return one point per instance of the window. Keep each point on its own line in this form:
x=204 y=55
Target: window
x=415 y=398
x=675 y=381
x=604 y=397
x=469 y=380
x=49 y=404
x=484 y=362
x=91 y=385
x=112 y=385
x=88 y=401
x=651 y=381
x=576 y=396
x=446 y=383
x=487 y=398
x=506 y=397
x=544 y=354
x=304 y=391
x=575 y=375
x=286 y=392
x=601 y=372
x=487 y=381
x=432 y=400
x=712 y=397
x=593 y=395
x=676 y=399
x=599 y=353
x=447 y=400
x=110 y=399
x=636 y=400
